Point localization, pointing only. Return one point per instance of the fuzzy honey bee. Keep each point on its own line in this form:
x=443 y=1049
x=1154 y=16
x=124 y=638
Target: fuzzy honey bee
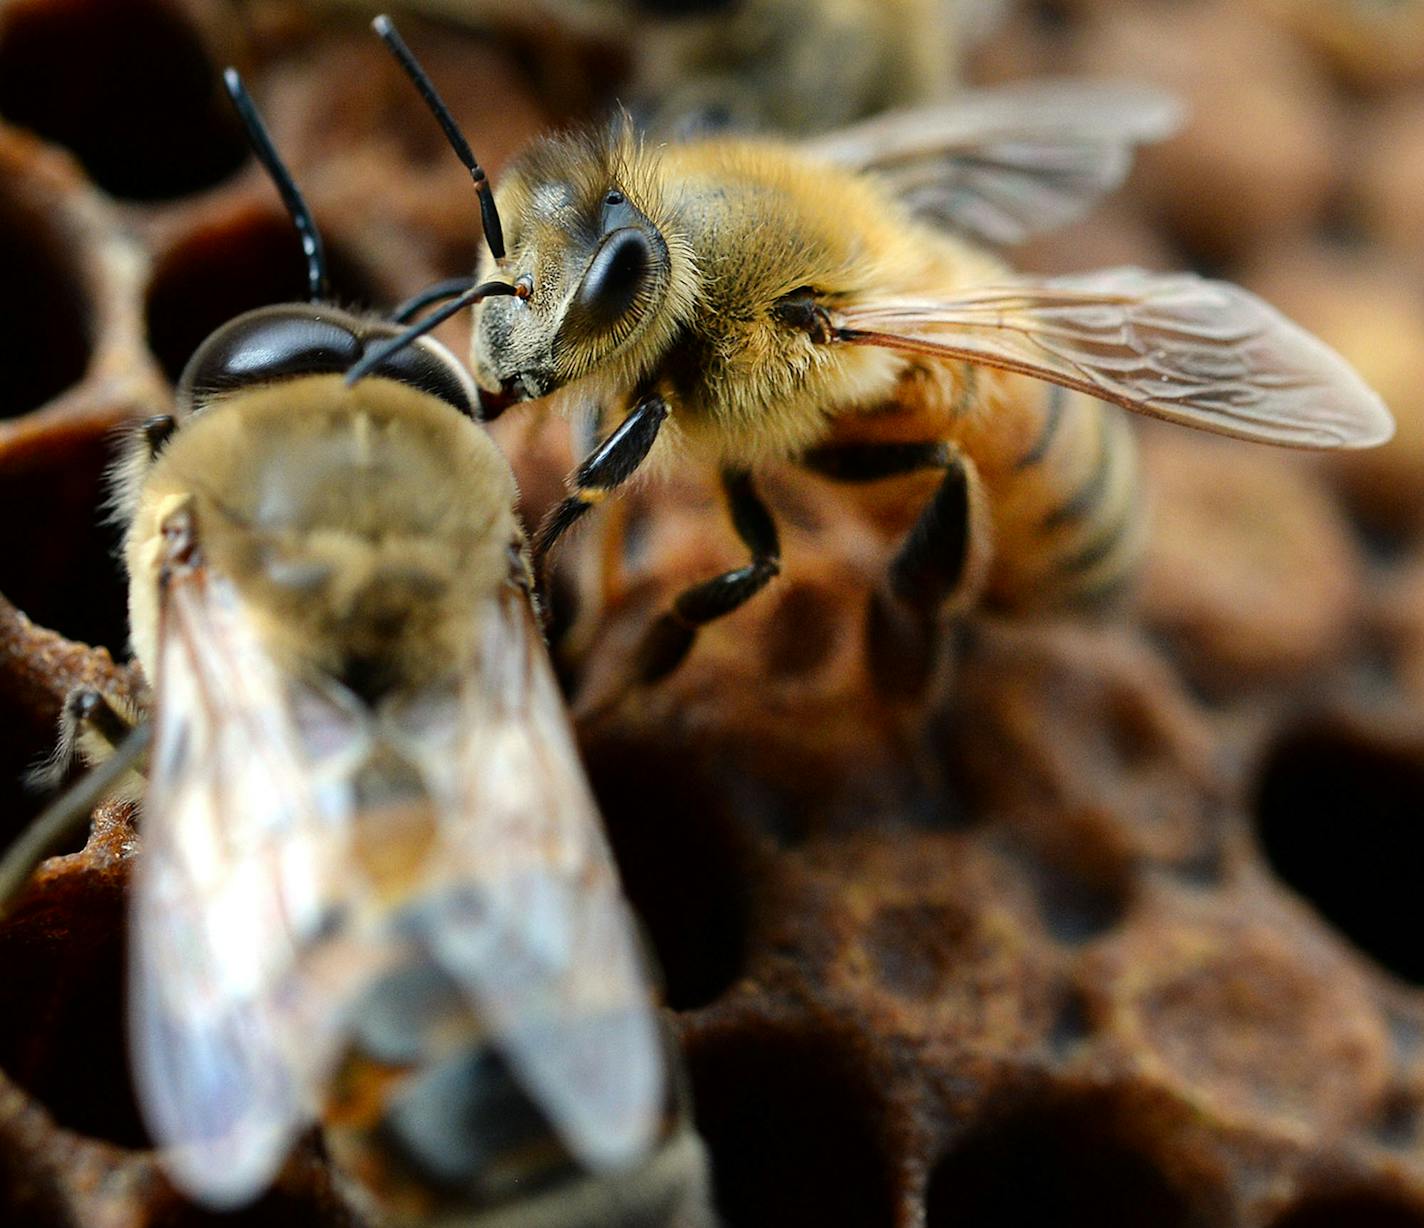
x=373 y=890
x=783 y=65
x=836 y=304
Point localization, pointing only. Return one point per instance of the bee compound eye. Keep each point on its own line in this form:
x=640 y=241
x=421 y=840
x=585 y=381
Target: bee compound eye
x=430 y=370
x=270 y=344
x=616 y=277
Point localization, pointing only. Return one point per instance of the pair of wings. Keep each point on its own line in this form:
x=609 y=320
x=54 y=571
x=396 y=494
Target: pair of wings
x=1001 y=165
x=256 y=927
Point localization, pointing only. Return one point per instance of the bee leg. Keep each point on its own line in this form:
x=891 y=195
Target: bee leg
x=930 y=565
x=610 y=465
x=87 y=719
x=68 y=813
x=669 y=639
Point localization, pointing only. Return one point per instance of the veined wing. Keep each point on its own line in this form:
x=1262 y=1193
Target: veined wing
x=1203 y=353
x=1003 y=164
x=533 y=924
x=229 y=1032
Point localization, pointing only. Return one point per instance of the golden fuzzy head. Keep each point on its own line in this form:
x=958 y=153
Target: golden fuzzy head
x=588 y=221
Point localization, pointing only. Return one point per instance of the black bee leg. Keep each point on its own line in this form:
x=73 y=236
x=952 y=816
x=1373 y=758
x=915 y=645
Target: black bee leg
x=57 y=824
x=610 y=465
x=669 y=639
x=930 y=565
x=86 y=708
x=85 y=711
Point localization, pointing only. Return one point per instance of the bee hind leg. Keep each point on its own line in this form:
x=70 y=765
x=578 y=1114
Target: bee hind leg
x=668 y=641
x=930 y=568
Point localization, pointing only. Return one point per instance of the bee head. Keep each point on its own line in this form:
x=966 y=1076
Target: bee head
x=583 y=276
x=608 y=283
x=295 y=339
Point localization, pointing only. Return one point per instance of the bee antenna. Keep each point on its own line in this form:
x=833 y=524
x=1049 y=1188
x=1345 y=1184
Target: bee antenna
x=375 y=356
x=261 y=142
x=494 y=233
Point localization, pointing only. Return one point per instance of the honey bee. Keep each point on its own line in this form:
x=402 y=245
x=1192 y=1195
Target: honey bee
x=783 y=65
x=836 y=304
x=373 y=888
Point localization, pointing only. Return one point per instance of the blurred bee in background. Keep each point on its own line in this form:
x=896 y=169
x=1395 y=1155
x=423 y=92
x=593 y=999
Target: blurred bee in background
x=801 y=66
x=781 y=65
x=374 y=888
x=834 y=304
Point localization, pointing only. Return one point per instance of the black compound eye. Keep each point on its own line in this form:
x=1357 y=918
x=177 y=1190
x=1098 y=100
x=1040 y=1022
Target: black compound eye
x=269 y=344
x=422 y=367
x=616 y=277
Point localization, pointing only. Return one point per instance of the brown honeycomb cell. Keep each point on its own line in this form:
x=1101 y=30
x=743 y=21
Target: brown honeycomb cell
x=1117 y=925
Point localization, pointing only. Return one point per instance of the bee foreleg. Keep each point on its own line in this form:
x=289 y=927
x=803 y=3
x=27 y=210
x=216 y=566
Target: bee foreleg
x=610 y=465
x=67 y=814
x=670 y=639
x=87 y=722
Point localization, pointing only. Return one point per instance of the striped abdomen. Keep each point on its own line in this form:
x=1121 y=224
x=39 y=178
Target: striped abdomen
x=1060 y=475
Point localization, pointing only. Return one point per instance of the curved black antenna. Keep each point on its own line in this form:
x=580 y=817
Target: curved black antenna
x=494 y=232
x=438 y=293
x=261 y=142
x=375 y=357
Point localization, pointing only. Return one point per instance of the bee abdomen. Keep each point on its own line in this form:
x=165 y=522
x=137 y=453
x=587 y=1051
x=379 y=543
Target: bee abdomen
x=425 y=1116
x=1068 y=516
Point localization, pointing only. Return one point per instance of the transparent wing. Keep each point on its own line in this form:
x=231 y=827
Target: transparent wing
x=534 y=926
x=1003 y=164
x=1203 y=353
x=228 y=1035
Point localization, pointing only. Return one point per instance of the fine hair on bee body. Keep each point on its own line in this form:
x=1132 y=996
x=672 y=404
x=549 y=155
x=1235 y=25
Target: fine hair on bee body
x=373 y=890
x=838 y=304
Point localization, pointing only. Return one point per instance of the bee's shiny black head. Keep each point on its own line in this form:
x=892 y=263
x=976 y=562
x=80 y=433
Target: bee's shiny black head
x=295 y=339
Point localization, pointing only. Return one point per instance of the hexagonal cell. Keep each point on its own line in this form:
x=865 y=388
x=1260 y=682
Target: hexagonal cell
x=1079 y=903
x=244 y=256
x=1337 y=813
x=1079 y=1163
x=1354 y=1209
x=793 y=1123
x=57 y=553
x=127 y=85
x=44 y=311
x=62 y=1034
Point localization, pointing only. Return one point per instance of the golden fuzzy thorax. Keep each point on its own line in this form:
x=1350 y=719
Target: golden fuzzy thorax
x=364 y=524
x=745 y=223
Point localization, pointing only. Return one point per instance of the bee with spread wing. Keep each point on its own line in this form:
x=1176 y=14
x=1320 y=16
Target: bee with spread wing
x=836 y=304
x=374 y=889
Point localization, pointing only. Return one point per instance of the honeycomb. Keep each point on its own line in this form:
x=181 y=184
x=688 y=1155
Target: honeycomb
x=1117 y=924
